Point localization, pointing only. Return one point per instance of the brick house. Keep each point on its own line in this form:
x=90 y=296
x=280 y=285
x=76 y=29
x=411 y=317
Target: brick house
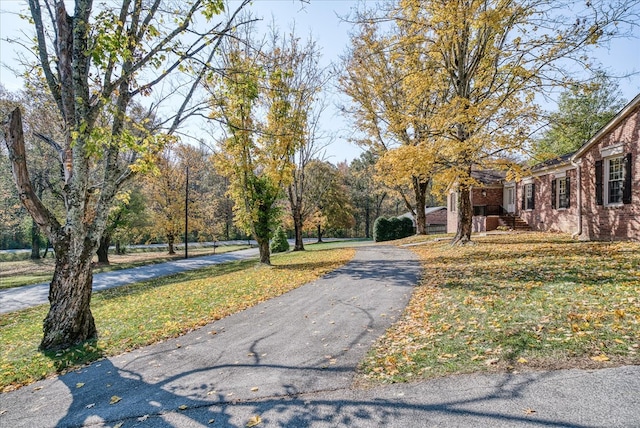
x=436 y=219
x=609 y=177
x=486 y=200
x=593 y=193
x=547 y=198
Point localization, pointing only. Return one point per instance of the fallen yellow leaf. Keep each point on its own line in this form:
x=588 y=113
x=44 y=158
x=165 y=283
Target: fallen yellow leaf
x=600 y=358
x=183 y=407
x=522 y=360
x=254 y=389
x=529 y=411
x=255 y=420
x=115 y=399
x=79 y=385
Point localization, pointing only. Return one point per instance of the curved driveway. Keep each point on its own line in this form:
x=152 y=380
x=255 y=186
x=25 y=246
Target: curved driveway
x=308 y=340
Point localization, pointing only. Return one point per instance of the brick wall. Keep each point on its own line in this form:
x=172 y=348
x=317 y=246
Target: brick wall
x=438 y=217
x=603 y=222
x=544 y=217
x=493 y=196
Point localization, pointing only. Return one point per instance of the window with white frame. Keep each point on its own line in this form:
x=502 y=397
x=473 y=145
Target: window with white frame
x=614 y=180
x=528 y=201
x=560 y=197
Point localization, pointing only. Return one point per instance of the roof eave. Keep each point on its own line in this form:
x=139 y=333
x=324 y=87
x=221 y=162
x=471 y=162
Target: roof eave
x=608 y=127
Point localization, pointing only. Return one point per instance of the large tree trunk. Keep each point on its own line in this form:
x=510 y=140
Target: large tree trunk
x=170 y=241
x=265 y=251
x=69 y=320
x=297 y=226
x=319 y=233
x=103 y=249
x=35 y=241
x=465 y=216
x=420 y=191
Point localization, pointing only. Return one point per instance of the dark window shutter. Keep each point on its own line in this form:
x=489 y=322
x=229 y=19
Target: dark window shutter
x=553 y=193
x=533 y=196
x=524 y=197
x=568 y=203
x=626 y=190
x=599 y=186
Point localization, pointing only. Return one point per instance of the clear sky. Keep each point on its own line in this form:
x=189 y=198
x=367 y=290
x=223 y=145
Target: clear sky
x=321 y=19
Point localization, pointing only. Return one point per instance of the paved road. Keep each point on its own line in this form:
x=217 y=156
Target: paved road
x=292 y=361
x=15 y=299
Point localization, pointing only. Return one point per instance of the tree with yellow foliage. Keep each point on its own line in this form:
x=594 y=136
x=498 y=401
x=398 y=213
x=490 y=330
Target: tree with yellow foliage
x=392 y=107
x=256 y=99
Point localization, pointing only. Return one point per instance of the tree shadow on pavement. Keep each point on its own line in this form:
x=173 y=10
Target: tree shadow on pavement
x=147 y=404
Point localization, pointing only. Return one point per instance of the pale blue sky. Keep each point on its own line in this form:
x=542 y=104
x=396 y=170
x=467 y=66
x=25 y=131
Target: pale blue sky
x=321 y=19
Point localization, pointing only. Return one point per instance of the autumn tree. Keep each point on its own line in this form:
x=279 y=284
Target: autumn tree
x=582 y=110
x=179 y=192
x=265 y=99
x=392 y=106
x=126 y=214
x=10 y=207
x=304 y=83
x=97 y=60
x=11 y=211
x=328 y=197
x=254 y=166
x=368 y=195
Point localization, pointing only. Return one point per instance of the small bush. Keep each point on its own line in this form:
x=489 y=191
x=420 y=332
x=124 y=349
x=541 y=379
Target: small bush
x=279 y=243
x=385 y=229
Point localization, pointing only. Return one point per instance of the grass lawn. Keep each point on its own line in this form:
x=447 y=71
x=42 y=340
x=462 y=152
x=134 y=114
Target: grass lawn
x=132 y=316
x=16 y=273
x=514 y=303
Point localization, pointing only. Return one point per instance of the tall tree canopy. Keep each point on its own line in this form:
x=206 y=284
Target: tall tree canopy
x=582 y=110
x=391 y=106
x=251 y=98
x=95 y=61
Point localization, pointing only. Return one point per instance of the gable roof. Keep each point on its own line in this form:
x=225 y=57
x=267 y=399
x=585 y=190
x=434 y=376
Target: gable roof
x=622 y=115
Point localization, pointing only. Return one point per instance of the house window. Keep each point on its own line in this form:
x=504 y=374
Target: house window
x=614 y=177
x=614 y=180
x=453 y=201
x=560 y=193
x=528 y=197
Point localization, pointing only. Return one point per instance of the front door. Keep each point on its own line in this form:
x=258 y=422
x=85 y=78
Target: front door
x=510 y=199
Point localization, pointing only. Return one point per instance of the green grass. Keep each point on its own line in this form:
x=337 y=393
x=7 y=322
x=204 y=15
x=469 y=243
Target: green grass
x=141 y=314
x=512 y=303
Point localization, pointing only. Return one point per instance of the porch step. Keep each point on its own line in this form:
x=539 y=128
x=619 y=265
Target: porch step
x=516 y=223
